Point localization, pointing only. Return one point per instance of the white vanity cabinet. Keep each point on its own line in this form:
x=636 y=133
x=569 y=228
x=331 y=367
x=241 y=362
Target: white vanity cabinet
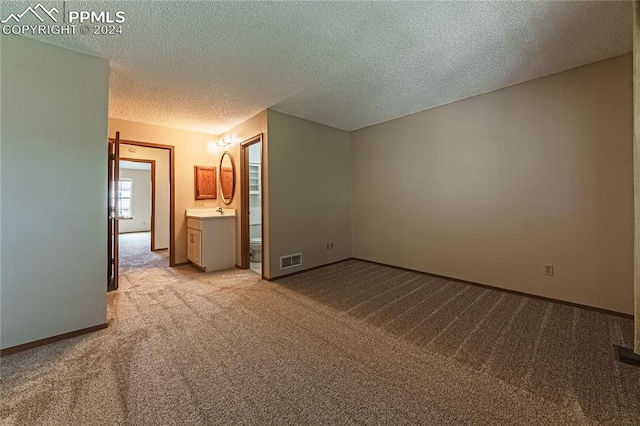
x=211 y=239
x=194 y=243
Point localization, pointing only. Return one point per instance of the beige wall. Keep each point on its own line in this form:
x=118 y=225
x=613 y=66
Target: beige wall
x=240 y=133
x=162 y=228
x=191 y=148
x=491 y=188
x=309 y=192
x=140 y=202
x=53 y=245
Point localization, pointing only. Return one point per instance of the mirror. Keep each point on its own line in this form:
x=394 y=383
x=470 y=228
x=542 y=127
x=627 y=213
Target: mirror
x=227 y=178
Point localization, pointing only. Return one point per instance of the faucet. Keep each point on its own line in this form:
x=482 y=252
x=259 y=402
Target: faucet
x=219 y=210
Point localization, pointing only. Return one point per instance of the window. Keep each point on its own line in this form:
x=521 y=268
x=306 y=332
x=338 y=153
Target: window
x=125 y=191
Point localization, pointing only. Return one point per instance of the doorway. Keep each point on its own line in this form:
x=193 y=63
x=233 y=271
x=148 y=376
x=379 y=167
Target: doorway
x=137 y=186
x=158 y=241
x=252 y=203
x=138 y=223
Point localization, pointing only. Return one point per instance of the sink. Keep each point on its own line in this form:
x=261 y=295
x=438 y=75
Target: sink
x=210 y=213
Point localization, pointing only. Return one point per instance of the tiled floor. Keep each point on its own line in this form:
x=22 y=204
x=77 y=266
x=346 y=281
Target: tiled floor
x=256 y=267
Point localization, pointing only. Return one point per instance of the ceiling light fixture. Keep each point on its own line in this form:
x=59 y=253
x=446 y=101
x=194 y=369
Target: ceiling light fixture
x=225 y=141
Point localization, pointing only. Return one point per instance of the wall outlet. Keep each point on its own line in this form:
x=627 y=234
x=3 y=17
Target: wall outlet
x=330 y=246
x=199 y=203
x=548 y=269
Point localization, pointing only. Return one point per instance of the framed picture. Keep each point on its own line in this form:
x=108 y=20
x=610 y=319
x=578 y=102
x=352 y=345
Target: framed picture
x=205 y=182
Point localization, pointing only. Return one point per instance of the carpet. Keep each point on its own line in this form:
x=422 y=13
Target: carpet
x=188 y=348
x=561 y=353
x=135 y=253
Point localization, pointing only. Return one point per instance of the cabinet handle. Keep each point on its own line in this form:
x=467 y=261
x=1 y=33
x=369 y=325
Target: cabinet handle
x=191 y=237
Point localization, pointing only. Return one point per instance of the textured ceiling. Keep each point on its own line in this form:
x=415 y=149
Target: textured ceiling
x=208 y=66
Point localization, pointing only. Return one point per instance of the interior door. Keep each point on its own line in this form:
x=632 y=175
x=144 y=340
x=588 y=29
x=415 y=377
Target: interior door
x=113 y=205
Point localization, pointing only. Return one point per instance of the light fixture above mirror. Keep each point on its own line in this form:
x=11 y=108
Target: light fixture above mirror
x=227 y=140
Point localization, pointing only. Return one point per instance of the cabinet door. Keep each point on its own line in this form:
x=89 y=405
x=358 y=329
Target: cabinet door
x=190 y=242
x=194 y=247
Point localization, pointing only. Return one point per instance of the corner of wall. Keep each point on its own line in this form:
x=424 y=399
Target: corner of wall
x=305 y=158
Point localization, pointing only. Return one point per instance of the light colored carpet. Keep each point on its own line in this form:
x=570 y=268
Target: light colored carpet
x=561 y=353
x=135 y=253
x=188 y=348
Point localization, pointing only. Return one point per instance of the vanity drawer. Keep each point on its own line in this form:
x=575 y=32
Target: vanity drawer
x=194 y=223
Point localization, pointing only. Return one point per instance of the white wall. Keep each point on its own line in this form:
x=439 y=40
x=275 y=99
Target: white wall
x=53 y=191
x=309 y=192
x=489 y=189
x=141 y=201
x=163 y=188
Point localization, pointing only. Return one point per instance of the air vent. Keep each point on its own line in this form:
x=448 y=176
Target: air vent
x=290 y=261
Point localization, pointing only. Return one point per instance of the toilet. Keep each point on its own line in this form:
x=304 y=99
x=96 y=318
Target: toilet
x=256 y=249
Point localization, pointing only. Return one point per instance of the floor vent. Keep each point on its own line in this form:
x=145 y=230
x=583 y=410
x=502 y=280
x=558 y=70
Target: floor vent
x=290 y=261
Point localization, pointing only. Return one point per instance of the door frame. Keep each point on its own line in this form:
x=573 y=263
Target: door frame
x=153 y=196
x=113 y=169
x=172 y=192
x=244 y=200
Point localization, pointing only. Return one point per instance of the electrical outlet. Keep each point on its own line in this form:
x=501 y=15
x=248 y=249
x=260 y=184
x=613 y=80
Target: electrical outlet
x=548 y=269
x=329 y=246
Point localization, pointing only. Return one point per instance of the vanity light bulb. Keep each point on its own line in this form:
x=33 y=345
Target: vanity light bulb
x=225 y=141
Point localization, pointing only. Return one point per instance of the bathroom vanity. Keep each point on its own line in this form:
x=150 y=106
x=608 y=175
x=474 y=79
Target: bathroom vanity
x=211 y=238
